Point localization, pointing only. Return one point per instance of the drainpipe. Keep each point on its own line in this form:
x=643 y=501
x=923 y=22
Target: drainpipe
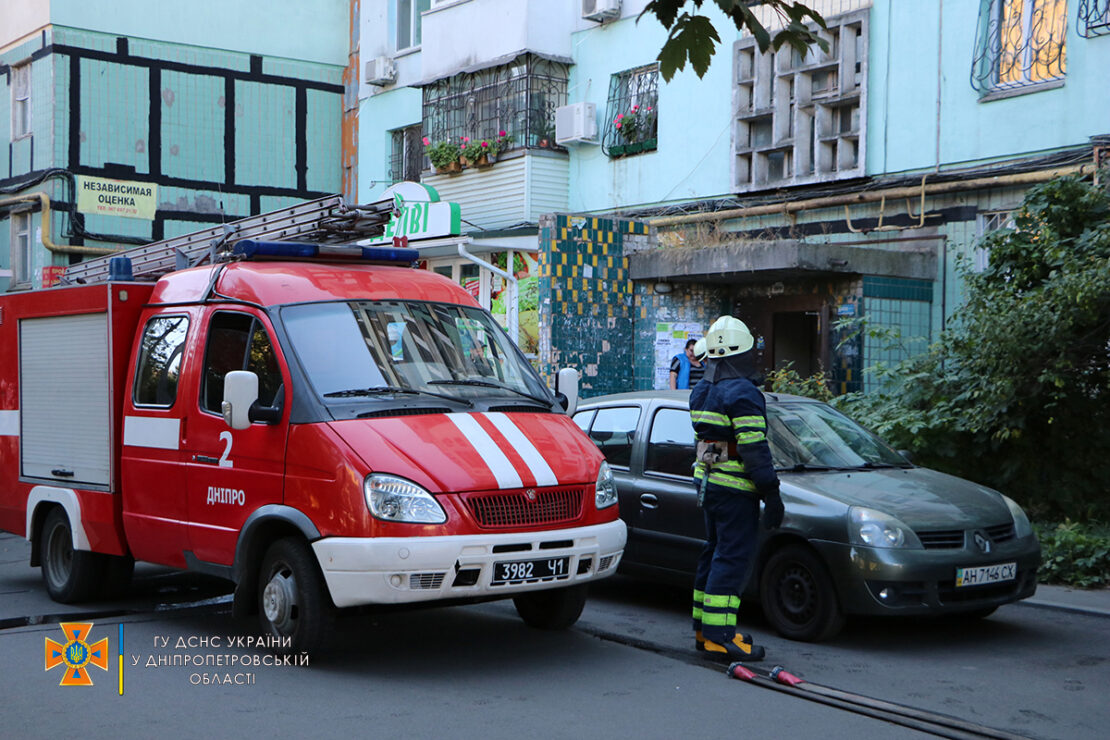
x=44 y=203
x=511 y=308
x=870 y=196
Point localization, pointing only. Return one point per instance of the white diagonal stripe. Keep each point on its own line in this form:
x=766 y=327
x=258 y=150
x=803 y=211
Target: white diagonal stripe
x=543 y=473
x=491 y=454
x=9 y=423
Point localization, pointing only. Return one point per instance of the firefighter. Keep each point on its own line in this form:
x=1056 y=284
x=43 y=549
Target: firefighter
x=733 y=471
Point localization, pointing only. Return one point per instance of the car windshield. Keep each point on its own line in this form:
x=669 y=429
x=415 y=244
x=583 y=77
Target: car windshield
x=368 y=349
x=806 y=436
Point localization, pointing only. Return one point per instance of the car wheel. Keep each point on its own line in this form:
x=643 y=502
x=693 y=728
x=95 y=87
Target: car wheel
x=292 y=600
x=798 y=595
x=553 y=609
x=71 y=575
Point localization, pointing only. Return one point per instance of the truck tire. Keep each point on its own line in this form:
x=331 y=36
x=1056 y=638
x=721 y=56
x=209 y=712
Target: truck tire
x=71 y=576
x=292 y=599
x=552 y=609
x=798 y=596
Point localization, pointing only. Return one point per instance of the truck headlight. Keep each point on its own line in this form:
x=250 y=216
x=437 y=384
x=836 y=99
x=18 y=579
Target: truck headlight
x=873 y=528
x=1022 y=527
x=398 y=500
x=606 y=487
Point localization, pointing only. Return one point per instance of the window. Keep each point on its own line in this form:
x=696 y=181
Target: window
x=163 y=345
x=21 y=247
x=1094 y=18
x=21 y=100
x=407 y=154
x=631 y=114
x=989 y=221
x=614 y=431
x=408 y=22
x=671 y=443
x=519 y=98
x=800 y=119
x=238 y=341
x=1019 y=43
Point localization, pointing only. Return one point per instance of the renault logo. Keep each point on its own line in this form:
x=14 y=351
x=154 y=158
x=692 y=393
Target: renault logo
x=982 y=543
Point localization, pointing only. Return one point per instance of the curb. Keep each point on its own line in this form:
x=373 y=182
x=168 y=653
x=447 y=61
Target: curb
x=1058 y=606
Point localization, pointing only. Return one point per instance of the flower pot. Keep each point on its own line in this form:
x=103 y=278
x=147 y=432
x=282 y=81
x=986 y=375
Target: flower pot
x=634 y=148
x=486 y=160
x=617 y=150
x=650 y=144
x=452 y=168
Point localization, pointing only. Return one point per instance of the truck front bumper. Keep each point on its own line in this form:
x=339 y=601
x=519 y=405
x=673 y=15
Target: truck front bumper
x=398 y=570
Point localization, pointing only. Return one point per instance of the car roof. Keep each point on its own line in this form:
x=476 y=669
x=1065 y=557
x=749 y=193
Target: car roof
x=680 y=397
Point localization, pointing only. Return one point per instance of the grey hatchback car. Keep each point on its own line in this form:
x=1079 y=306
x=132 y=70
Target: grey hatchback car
x=865 y=531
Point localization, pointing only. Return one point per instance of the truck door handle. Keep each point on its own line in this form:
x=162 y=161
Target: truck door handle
x=59 y=473
x=206 y=459
x=649 y=500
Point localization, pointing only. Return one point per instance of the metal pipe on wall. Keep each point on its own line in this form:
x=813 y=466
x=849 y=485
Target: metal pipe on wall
x=44 y=203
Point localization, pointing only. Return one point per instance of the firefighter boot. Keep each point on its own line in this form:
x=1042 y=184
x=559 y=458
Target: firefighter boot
x=739 y=648
x=699 y=639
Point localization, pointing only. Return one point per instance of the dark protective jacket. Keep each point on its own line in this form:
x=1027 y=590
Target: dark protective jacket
x=726 y=406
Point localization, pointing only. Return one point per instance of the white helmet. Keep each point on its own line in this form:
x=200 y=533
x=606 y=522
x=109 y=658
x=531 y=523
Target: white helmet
x=727 y=336
x=699 y=349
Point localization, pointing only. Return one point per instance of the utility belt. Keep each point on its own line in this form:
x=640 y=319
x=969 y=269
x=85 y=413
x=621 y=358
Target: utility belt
x=713 y=451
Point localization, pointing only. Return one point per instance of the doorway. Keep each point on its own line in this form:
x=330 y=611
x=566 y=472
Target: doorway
x=795 y=336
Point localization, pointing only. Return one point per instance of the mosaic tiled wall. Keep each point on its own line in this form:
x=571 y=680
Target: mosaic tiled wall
x=902 y=305
x=586 y=300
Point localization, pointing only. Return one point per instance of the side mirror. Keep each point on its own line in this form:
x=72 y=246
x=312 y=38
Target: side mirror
x=566 y=389
x=240 y=391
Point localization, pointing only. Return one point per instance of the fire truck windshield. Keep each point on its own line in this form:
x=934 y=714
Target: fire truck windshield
x=366 y=349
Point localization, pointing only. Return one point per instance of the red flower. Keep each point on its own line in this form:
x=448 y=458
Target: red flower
x=427 y=141
x=502 y=133
x=485 y=144
x=635 y=108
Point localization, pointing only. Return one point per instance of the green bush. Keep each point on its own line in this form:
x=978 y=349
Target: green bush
x=1073 y=554
x=787 y=380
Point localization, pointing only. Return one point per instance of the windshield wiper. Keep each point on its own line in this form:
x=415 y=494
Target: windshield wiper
x=382 y=390
x=807 y=468
x=491 y=384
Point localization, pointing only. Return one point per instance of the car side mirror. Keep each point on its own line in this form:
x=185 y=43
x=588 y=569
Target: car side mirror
x=566 y=389
x=268 y=414
x=240 y=392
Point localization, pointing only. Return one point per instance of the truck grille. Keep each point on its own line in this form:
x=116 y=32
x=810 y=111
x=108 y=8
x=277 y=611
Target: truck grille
x=526 y=506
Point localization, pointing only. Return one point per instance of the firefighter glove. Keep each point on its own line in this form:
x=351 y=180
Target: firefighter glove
x=772 y=511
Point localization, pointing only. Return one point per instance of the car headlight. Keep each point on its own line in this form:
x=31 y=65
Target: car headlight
x=1022 y=527
x=875 y=529
x=606 y=488
x=398 y=500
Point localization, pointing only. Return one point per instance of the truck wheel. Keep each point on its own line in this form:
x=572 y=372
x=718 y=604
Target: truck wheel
x=798 y=595
x=71 y=575
x=292 y=600
x=553 y=609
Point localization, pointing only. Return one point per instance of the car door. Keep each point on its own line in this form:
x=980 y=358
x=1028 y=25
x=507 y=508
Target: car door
x=613 y=429
x=232 y=472
x=669 y=523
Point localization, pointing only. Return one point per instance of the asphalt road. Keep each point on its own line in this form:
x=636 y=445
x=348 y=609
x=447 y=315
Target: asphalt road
x=626 y=670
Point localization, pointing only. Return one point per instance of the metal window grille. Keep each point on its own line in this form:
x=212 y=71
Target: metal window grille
x=1094 y=18
x=1019 y=43
x=519 y=98
x=21 y=100
x=631 y=114
x=989 y=221
x=406 y=154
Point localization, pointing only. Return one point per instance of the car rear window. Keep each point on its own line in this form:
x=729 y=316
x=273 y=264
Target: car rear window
x=614 y=431
x=670 y=443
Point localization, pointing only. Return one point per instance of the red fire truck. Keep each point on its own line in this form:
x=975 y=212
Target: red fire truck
x=319 y=426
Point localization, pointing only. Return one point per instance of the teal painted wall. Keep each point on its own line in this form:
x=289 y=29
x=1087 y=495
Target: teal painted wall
x=902 y=121
x=694 y=122
x=314 y=31
x=378 y=116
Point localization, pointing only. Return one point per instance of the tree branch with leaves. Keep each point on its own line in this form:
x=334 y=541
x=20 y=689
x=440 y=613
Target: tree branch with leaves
x=692 y=36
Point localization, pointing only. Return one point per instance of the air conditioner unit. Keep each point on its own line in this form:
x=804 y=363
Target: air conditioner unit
x=380 y=71
x=576 y=124
x=601 y=10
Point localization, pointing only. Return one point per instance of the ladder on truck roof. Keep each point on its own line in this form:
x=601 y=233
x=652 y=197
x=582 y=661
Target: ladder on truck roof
x=327 y=220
